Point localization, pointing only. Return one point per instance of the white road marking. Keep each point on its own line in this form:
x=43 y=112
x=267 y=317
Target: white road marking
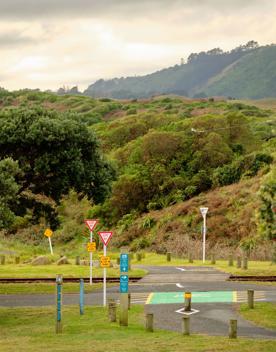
x=182 y=311
x=179 y=285
x=182 y=269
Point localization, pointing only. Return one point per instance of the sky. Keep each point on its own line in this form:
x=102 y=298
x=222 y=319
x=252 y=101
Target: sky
x=47 y=44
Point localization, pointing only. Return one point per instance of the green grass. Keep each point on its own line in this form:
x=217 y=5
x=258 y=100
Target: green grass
x=254 y=267
x=263 y=314
x=33 y=329
x=26 y=270
x=43 y=288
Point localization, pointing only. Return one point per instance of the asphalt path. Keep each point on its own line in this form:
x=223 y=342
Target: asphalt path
x=161 y=285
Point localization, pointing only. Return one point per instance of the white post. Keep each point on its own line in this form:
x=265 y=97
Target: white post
x=91 y=258
x=204 y=213
x=204 y=238
x=50 y=243
x=104 y=283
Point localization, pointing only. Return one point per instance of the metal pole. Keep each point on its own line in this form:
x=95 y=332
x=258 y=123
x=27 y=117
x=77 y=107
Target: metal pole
x=50 y=243
x=91 y=258
x=204 y=237
x=104 y=283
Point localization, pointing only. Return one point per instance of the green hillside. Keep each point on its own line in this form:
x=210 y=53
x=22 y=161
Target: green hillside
x=65 y=158
x=253 y=76
x=247 y=71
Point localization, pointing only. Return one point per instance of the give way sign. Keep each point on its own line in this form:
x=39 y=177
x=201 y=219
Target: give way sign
x=91 y=223
x=105 y=236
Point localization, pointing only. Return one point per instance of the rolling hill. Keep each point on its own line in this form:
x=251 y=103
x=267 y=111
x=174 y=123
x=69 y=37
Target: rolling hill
x=247 y=72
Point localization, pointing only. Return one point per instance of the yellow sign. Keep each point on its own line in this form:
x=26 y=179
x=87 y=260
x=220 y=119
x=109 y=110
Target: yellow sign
x=188 y=295
x=105 y=262
x=91 y=246
x=48 y=233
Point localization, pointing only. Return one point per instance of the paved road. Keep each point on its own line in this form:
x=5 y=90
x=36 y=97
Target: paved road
x=162 y=293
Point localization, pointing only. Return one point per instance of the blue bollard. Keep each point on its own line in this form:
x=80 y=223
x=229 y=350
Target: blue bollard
x=81 y=296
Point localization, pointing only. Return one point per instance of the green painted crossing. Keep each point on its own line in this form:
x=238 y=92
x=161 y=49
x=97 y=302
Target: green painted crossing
x=197 y=297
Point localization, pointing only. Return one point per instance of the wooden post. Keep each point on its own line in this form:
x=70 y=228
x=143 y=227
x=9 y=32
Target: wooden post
x=124 y=309
x=17 y=260
x=138 y=257
x=213 y=259
x=245 y=263
x=3 y=259
x=59 y=303
x=112 y=310
x=250 y=298
x=230 y=261
x=185 y=326
x=232 y=328
x=238 y=262
x=77 y=262
x=149 y=322
x=190 y=258
x=169 y=256
x=188 y=299
x=129 y=301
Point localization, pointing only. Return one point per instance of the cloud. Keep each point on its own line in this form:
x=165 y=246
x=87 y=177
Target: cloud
x=30 y=9
x=13 y=38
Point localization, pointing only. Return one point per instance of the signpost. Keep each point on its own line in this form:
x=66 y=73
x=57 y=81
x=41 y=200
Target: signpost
x=59 y=303
x=124 y=303
x=105 y=237
x=48 y=233
x=91 y=224
x=204 y=211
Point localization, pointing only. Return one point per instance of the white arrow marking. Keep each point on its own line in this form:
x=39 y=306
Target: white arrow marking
x=182 y=269
x=179 y=285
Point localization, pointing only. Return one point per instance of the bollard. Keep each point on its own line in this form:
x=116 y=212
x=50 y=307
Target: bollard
x=138 y=257
x=190 y=258
x=59 y=303
x=245 y=263
x=149 y=322
x=3 y=259
x=129 y=301
x=77 y=261
x=232 y=328
x=118 y=260
x=213 y=259
x=250 y=299
x=17 y=260
x=112 y=310
x=238 y=262
x=185 y=326
x=169 y=255
x=81 y=296
x=124 y=309
x=188 y=299
x=230 y=261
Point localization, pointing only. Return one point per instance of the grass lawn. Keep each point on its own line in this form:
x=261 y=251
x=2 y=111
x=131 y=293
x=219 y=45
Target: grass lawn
x=33 y=329
x=32 y=288
x=254 y=267
x=263 y=314
x=51 y=270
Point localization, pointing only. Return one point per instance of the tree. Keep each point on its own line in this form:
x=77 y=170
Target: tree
x=56 y=153
x=8 y=190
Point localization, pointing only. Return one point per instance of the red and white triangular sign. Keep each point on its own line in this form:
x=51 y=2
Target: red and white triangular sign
x=91 y=223
x=105 y=236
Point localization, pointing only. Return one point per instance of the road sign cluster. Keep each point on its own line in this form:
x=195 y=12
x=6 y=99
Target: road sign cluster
x=105 y=237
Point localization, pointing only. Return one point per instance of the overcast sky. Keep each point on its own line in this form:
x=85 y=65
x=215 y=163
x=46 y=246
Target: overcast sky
x=50 y=43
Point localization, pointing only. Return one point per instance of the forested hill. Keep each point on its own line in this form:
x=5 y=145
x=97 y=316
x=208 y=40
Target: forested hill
x=248 y=71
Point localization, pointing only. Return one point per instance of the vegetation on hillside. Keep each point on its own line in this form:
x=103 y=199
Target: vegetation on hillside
x=244 y=72
x=161 y=152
